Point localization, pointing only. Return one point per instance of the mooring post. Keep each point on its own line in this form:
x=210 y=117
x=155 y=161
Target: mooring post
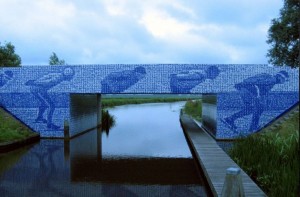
x=66 y=140
x=233 y=185
x=99 y=110
x=66 y=130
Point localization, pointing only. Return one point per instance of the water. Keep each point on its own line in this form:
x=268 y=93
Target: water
x=145 y=154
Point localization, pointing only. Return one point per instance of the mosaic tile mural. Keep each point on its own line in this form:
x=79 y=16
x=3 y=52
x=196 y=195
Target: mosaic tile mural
x=248 y=96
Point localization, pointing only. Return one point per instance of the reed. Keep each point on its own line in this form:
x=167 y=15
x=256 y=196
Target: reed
x=193 y=108
x=108 y=121
x=272 y=158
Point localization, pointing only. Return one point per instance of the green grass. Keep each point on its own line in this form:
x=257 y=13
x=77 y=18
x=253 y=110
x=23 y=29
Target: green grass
x=111 y=102
x=272 y=158
x=193 y=108
x=11 y=129
x=210 y=99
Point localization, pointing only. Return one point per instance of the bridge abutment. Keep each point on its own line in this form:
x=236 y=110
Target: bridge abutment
x=85 y=113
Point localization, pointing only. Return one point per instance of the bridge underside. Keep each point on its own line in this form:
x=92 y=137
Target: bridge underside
x=238 y=99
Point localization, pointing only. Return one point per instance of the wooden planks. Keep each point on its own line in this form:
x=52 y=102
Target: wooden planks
x=213 y=160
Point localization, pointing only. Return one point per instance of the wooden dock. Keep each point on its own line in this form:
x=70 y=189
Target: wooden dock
x=213 y=160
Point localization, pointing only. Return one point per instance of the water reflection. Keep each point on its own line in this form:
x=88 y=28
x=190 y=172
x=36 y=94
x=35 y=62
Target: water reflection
x=134 y=171
x=36 y=171
x=131 y=161
x=148 y=130
x=108 y=121
x=8 y=160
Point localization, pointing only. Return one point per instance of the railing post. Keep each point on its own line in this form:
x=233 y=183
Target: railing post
x=233 y=185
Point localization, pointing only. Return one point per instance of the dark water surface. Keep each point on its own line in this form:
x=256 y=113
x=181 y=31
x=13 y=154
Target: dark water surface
x=145 y=154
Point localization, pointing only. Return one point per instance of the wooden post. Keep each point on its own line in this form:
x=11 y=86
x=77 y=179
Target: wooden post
x=66 y=130
x=233 y=185
x=99 y=110
x=66 y=140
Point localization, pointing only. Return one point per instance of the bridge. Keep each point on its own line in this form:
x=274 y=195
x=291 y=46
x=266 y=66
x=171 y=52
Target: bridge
x=237 y=99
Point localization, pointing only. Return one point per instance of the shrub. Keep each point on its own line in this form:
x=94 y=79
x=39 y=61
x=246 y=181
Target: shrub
x=193 y=108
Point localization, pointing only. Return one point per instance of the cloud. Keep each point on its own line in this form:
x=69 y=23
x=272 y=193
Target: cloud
x=35 y=17
x=133 y=31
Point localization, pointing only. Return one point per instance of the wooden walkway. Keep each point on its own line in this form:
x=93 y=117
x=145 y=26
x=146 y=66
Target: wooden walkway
x=213 y=160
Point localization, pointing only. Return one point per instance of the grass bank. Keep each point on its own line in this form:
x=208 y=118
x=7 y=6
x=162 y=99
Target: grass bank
x=272 y=158
x=111 y=102
x=11 y=129
x=193 y=108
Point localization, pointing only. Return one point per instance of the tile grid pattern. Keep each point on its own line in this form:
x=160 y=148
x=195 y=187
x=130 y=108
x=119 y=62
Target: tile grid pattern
x=248 y=96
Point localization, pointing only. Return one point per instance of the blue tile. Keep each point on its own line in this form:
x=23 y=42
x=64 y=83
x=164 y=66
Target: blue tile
x=249 y=96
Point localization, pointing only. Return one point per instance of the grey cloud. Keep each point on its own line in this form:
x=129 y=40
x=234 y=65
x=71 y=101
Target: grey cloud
x=92 y=35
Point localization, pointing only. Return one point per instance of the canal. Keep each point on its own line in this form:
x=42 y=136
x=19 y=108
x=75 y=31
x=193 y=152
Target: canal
x=144 y=154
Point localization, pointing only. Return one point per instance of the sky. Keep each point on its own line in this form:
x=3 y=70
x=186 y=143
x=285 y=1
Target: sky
x=139 y=31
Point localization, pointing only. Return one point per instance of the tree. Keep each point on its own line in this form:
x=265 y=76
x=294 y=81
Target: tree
x=54 y=60
x=284 y=36
x=8 y=56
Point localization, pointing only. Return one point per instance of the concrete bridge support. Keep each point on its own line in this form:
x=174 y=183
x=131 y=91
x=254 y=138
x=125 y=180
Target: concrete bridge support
x=85 y=114
x=209 y=113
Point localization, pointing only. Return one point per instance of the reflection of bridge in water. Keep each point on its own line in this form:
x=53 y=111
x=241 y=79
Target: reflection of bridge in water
x=88 y=164
x=45 y=171
x=120 y=174
x=136 y=171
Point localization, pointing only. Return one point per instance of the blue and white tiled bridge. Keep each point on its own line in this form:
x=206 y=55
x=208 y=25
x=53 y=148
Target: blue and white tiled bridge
x=238 y=99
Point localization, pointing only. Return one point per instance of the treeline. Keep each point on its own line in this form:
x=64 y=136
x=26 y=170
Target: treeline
x=9 y=58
